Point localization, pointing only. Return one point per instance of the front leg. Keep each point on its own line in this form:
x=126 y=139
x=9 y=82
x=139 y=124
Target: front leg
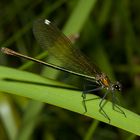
x=114 y=105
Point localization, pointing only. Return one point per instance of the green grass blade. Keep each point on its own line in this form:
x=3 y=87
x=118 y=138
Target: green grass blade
x=62 y=97
x=82 y=11
x=9 y=118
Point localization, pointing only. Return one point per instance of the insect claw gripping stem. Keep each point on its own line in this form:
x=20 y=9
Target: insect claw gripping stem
x=83 y=101
x=84 y=104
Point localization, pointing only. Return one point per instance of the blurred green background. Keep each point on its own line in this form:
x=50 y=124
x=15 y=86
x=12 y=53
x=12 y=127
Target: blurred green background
x=109 y=36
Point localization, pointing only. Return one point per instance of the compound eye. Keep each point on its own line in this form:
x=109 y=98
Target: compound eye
x=117 y=86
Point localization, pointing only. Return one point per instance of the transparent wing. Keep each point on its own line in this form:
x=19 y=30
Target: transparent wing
x=60 y=47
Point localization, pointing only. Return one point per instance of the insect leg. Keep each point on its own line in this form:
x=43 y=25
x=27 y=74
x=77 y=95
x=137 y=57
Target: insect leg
x=101 y=110
x=84 y=95
x=114 y=100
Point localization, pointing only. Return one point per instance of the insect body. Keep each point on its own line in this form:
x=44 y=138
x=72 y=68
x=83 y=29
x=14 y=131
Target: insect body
x=60 y=47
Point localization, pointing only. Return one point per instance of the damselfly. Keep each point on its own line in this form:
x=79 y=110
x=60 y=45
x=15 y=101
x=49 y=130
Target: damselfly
x=61 y=48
